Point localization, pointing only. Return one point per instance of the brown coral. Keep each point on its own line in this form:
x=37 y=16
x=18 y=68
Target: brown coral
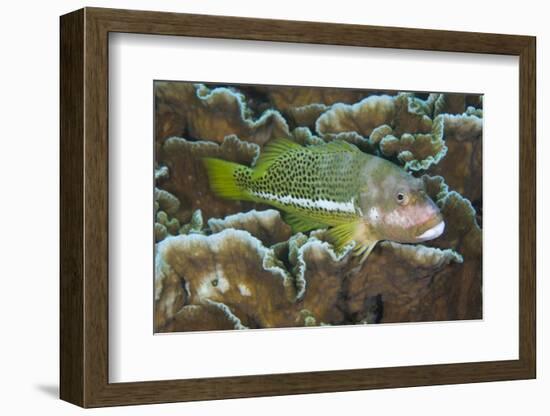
x=322 y=272
x=254 y=288
x=267 y=226
x=286 y=98
x=231 y=265
x=362 y=117
x=462 y=167
x=212 y=316
x=188 y=178
x=402 y=275
x=416 y=151
x=195 y=111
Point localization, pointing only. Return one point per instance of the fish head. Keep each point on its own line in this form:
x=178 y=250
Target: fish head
x=396 y=206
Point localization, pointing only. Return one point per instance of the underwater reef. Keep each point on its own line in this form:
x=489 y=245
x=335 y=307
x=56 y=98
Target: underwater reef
x=225 y=264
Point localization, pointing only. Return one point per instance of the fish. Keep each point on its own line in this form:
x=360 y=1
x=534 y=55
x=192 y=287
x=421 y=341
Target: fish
x=359 y=198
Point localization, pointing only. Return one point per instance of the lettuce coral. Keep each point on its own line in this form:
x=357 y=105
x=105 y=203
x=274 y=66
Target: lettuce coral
x=267 y=226
x=286 y=98
x=255 y=289
x=224 y=264
x=213 y=316
x=416 y=151
x=184 y=161
x=272 y=287
x=462 y=168
x=194 y=110
x=402 y=275
x=362 y=117
x=394 y=124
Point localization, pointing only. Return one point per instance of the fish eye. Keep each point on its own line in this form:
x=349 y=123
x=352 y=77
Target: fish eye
x=401 y=198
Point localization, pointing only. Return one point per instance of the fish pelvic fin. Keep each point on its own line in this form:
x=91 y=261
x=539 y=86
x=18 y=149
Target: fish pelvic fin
x=363 y=249
x=271 y=152
x=222 y=177
x=300 y=223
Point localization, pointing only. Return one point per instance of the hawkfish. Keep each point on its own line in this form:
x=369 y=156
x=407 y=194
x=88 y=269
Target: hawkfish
x=358 y=197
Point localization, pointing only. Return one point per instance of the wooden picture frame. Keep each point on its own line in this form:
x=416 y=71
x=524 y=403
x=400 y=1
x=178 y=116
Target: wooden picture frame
x=84 y=207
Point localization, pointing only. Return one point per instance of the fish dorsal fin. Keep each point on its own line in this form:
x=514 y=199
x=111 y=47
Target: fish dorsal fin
x=334 y=146
x=271 y=152
x=300 y=223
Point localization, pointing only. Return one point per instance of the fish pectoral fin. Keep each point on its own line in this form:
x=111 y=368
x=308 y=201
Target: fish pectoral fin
x=300 y=223
x=341 y=235
x=271 y=152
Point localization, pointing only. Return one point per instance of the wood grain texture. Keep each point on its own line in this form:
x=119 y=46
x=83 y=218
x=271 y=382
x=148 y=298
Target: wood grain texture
x=96 y=209
x=71 y=213
x=84 y=207
x=528 y=208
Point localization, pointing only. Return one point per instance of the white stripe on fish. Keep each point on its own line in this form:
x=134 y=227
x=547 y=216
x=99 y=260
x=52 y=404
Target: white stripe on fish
x=308 y=203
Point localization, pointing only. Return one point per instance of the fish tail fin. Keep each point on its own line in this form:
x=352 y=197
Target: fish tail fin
x=222 y=178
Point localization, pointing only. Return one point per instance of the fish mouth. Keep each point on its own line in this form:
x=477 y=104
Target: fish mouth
x=432 y=233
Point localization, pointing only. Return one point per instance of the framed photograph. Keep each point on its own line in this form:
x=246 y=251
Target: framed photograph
x=257 y=207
